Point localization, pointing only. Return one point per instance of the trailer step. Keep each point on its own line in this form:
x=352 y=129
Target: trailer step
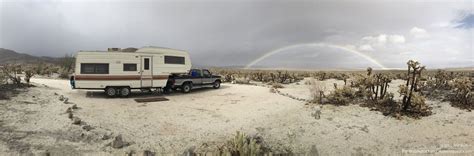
x=153 y=99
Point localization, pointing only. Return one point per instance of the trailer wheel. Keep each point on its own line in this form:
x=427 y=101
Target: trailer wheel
x=110 y=91
x=124 y=92
x=186 y=88
x=216 y=85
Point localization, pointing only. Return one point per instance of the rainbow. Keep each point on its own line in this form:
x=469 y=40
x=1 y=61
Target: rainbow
x=346 y=49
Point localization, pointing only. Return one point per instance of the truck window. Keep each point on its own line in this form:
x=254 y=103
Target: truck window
x=195 y=73
x=147 y=64
x=94 y=68
x=174 y=60
x=206 y=73
x=129 y=67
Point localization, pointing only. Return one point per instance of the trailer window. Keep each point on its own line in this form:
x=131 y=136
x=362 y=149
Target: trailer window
x=129 y=67
x=147 y=64
x=174 y=60
x=94 y=68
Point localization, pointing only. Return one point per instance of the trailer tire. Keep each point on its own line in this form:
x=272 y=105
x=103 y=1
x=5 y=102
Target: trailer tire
x=186 y=88
x=110 y=91
x=124 y=92
x=216 y=84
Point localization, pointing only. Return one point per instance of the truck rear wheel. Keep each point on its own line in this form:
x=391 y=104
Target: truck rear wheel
x=186 y=88
x=216 y=85
x=124 y=92
x=110 y=91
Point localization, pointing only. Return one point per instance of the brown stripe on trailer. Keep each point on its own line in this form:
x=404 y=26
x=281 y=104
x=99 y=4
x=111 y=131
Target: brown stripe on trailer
x=118 y=77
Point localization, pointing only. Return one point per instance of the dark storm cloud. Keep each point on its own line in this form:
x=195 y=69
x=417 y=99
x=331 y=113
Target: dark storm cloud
x=220 y=33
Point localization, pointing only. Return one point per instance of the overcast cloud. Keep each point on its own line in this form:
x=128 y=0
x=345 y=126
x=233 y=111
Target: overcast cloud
x=230 y=33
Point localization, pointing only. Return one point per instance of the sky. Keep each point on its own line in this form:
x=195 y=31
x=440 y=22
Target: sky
x=251 y=33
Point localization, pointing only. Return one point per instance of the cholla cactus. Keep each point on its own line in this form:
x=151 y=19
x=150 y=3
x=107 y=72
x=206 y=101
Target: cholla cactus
x=28 y=75
x=374 y=87
x=369 y=71
x=412 y=100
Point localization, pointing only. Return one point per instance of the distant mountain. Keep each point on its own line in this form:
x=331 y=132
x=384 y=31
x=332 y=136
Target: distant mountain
x=8 y=56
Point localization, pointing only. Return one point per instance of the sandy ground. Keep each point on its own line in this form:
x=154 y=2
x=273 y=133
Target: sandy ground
x=35 y=122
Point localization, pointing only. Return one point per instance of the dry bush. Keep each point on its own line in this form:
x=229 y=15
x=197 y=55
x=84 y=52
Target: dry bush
x=277 y=85
x=28 y=74
x=64 y=73
x=10 y=71
x=242 y=144
x=342 y=96
x=66 y=66
x=239 y=145
x=3 y=78
x=316 y=88
x=462 y=97
x=241 y=81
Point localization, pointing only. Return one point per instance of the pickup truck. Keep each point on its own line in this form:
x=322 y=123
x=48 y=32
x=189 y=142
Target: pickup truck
x=196 y=78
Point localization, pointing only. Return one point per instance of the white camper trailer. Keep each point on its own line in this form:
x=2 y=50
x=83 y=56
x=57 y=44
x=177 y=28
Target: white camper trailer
x=117 y=72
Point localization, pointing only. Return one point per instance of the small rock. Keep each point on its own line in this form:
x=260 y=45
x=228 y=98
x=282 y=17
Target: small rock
x=46 y=153
x=74 y=106
x=66 y=100
x=76 y=121
x=87 y=127
x=190 y=151
x=69 y=110
x=316 y=114
x=61 y=98
x=34 y=96
x=131 y=153
x=55 y=93
x=314 y=151
x=70 y=115
x=118 y=142
x=148 y=153
x=105 y=137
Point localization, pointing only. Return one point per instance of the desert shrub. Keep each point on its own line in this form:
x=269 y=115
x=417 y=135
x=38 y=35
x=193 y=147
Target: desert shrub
x=10 y=71
x=240 y=145
x=241 y=81
x=63 y=73
x=277 y=85
x=228 y=78
x=342 y=96
x=316 y=89
x=462 y=97
x=66 y=66
x=3 y=78
x=28 y=74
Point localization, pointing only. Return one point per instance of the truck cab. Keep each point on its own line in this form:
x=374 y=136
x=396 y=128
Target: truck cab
x=196 y=78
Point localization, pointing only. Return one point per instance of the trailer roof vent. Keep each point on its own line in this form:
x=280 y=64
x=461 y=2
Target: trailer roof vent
x=113 y=49
x=129 y=49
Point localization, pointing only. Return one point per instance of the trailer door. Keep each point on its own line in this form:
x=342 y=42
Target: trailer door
x=146 y=72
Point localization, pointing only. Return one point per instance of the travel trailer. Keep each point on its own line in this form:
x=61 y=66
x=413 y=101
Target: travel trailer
x=118 y=71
